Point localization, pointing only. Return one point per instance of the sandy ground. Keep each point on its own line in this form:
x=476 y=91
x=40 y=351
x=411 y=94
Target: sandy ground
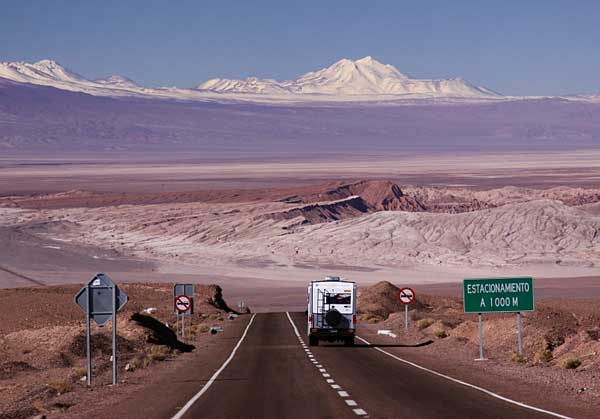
x=42 y=348
x=156 y=173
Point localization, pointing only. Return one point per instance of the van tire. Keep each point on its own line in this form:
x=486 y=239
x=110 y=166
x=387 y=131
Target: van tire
x=349 y=342
x=313 y=341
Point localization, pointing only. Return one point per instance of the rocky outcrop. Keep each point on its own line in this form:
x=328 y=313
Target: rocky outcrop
x=324 y=212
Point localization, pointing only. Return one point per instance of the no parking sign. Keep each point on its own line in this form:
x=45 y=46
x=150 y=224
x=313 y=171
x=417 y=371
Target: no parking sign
x=183 y=303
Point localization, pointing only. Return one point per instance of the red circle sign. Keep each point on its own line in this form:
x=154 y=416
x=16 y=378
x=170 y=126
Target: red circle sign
x=183 y=303
x=406 y=295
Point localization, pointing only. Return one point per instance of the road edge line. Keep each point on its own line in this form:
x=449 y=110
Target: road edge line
x=293 y=324
x=212 y=379
x=473 y=386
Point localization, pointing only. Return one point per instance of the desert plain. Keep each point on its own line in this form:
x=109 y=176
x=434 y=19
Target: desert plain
x=261 y=229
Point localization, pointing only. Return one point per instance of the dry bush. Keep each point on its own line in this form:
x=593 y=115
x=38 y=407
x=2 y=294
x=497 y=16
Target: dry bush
x=571 y=363
x=200 y=328
x=371 y=318
x=544 y=355
x=140 y=363
x=79 y=372
x=441 y=333
x=61 y=387
x=159 y=353
x=520 y=359
x=424 y=323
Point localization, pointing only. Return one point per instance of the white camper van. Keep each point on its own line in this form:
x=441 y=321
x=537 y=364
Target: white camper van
x=331 y=311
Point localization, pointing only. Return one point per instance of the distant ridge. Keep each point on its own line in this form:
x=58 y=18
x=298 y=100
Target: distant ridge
x=365 y=76
x=365 y=79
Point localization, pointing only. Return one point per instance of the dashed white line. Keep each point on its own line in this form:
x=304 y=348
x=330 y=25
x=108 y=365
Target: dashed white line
x=326 y=375
x=212 y=379
x=447 y=377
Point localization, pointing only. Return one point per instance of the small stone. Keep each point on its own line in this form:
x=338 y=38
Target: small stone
x=83 y=378
x=128 y=367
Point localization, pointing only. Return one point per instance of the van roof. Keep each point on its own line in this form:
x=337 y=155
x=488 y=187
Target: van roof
x=332 y=279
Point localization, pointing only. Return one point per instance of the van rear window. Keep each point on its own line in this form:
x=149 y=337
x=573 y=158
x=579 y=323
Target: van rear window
x=338 y=299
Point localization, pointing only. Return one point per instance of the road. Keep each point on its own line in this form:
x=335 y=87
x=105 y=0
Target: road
x=272 y=375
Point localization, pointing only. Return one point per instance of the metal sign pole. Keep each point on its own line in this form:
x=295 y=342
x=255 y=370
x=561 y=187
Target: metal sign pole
x=190 y=319
x=519 y=337
x=114 y=334
x=183 y=325
x=406 y=317
x=88 y=338
x=481 y=357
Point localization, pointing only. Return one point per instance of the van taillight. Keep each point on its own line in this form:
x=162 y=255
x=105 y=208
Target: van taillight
x=354 y=319
x=310 y=318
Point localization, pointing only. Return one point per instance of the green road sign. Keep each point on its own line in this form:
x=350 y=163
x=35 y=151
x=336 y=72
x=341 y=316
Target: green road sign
x=498 y=295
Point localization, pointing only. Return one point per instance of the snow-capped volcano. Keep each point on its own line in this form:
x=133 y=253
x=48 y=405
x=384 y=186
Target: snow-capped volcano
x=51 y=73
x=365 y=76
x=44 y=70
x=117 y=81
x=347 y=80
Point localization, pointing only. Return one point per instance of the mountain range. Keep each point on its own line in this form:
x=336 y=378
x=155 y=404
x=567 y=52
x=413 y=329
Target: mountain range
x=365 y=79
x=349 y=107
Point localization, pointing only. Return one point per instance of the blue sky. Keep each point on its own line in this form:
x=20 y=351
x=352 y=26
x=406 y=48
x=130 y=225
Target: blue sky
x=514 y=47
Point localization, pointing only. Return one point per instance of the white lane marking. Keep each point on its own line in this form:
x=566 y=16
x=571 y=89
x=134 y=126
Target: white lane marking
x=358 y=412
x=293 y=325
x=212 y=379
x=336 y=387
x=483 y=390
x=322 y=370
x=319 y=366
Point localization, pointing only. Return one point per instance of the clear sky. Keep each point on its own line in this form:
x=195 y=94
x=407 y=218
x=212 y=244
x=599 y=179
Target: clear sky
x=514 y=47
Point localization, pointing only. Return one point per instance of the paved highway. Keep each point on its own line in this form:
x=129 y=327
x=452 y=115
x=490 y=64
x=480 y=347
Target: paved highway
x=274 y=374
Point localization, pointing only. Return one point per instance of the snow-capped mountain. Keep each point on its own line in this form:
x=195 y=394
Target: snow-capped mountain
x=38 y=73
x=365 y=76
x=347 y=80
x=51 y=73
x=117 y=81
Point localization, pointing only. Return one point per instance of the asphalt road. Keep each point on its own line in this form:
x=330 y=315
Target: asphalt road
x=272 y=375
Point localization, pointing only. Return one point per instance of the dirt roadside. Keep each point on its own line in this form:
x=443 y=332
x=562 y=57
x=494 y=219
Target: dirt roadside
x=42 y=349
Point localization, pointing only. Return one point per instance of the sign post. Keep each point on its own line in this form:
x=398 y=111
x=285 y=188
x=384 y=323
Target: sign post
x=101 y=299
x=519 y=337
x=406 y=297
x=183 y=304
x=498 y=295
x=480 y=325
x=188 y=291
